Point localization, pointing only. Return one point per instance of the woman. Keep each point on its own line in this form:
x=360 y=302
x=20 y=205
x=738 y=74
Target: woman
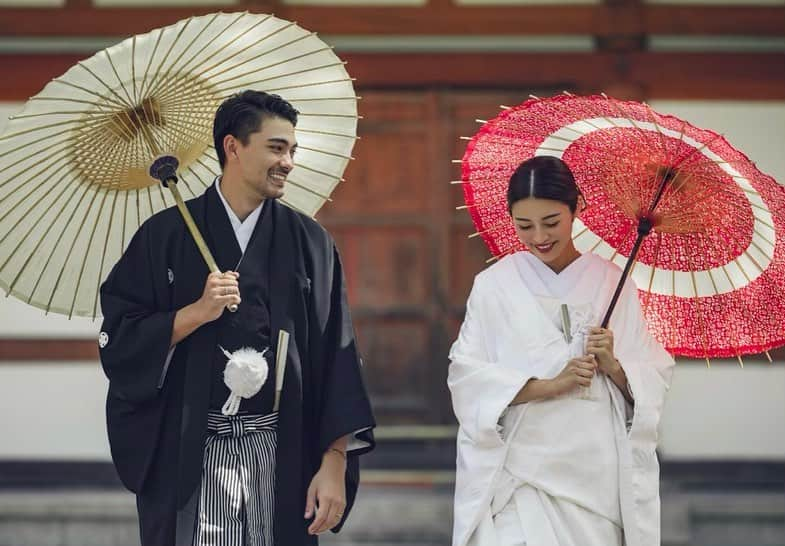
x=558 y=417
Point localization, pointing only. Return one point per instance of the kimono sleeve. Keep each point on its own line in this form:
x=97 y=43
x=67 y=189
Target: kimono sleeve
x=648 y=367
x=638 y=346
x=346 y=408
x=137 y=328
x=482 y=387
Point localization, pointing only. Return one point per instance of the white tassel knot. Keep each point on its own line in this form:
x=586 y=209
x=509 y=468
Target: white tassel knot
x=245 y=373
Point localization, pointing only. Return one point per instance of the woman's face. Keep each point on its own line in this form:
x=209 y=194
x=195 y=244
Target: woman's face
x=545 y=227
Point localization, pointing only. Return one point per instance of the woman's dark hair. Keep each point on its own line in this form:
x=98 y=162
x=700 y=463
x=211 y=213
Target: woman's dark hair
x=543 y=177
x=242 y=114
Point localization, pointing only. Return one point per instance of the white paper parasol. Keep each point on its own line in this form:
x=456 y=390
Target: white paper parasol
x=74 y=182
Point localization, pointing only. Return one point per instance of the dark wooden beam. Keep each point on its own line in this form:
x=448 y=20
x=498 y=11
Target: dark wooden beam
x=479 y=70
x=629 y=39
x=436 y=18
x=627 y=18
x=31 y=73
x=636 y=75
x=58 y=350
x=710 y=75
x=715 y=20
x=433 y=19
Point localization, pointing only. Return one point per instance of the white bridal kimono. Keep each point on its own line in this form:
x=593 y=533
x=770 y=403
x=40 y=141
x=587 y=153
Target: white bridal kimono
x=577 y=470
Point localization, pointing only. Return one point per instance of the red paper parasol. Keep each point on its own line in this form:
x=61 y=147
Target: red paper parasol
x=710 y=275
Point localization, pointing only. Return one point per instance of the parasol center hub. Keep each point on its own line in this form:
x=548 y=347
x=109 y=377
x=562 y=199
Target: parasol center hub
x=667 y=173
x=116 y=143
x=645 y=225
x=129 y=123
x=164 y=169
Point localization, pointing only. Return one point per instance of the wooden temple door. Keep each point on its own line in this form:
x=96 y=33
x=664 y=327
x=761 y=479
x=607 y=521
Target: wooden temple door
x=408 y=262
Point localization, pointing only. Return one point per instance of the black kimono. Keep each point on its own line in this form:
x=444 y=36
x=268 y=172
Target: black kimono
x=157 y=409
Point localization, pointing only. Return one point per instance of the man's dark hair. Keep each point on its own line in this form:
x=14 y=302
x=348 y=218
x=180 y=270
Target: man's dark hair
x=543 y=177
x=243 y=113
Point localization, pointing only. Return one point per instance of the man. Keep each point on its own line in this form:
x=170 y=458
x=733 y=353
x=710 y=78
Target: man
x=260 y=477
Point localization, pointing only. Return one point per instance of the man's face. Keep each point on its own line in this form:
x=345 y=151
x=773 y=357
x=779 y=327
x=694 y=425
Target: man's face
x=266 y=160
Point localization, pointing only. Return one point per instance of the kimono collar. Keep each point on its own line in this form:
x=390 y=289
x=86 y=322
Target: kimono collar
x=546 y=282
x=243 y=229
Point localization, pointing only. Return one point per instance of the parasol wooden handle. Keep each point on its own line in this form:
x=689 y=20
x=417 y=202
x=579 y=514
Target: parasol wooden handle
x=164 y=169
x=198 y=239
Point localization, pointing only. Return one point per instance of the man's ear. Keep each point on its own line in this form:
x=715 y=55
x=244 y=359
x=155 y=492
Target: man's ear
x=230 y=146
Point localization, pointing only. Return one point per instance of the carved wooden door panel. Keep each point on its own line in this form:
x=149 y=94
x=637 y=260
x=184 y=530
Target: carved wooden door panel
x=408 y=262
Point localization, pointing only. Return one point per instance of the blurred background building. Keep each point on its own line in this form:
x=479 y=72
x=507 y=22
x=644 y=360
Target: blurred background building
x=426 y=69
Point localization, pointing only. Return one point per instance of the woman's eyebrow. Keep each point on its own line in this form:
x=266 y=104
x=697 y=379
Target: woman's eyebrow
x=544 y=217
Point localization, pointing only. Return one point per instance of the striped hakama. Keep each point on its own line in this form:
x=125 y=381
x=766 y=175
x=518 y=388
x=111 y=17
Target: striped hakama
x=237 y=498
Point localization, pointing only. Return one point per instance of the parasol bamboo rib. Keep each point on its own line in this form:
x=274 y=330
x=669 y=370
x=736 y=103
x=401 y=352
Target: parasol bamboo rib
x=165 y=79
x=218 y=51
x=70 y=251
x=323 y=173
x=87 y=250
x=198 y=54
x=39 y=219
x=234 y=67
x=103 y=255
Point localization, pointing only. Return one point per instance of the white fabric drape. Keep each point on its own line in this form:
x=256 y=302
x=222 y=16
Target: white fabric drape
x=591 y=458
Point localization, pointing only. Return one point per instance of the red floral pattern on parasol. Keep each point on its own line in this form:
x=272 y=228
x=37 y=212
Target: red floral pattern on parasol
x=710 y=275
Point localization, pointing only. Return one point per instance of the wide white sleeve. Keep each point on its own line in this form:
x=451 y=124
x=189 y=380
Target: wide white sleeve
x=648 y=365
x=656 y=363
x=481 y=386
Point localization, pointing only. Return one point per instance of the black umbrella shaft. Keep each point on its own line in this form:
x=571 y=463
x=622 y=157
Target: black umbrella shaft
x=645 y=226
x=624 y=275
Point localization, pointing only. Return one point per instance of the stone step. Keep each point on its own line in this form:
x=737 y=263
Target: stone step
x=723 y=519
x=385 y=515
x=67 y=518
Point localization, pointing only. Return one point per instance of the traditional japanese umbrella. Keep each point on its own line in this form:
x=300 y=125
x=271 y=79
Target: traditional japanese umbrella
x=690 y=219
x=81 y=165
